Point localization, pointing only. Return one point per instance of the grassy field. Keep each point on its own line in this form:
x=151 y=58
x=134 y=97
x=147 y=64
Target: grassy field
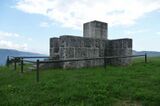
x=135 y=85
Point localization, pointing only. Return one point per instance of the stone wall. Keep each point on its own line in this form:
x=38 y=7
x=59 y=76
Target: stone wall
x=119 y=47
x=93 y=44
x=54 y=47
x=72 y=47
x=95 y=29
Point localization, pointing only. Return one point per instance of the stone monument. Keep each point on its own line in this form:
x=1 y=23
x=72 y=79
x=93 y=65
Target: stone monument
x=93 y=44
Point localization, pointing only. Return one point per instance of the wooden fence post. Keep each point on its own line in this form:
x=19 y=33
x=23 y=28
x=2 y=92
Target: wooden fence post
x=15 y=63
x=7 y=62
x=37 y=71
x=105 y=63
x=145 y=57
x=21 y=65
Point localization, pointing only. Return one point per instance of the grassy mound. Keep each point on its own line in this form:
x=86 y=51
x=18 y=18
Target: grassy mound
x=138 y=84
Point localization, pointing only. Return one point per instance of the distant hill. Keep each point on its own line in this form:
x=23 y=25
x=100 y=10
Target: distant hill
x=149 y=53
x=9 y=52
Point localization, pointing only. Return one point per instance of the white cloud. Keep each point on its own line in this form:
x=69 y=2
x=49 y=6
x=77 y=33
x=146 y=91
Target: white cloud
x=6 y=41
x=8 y=34
x=11 y=45
x=44 y=24
x=158 y=33
x=30 y=39
x=134 y=32
x=73 y=13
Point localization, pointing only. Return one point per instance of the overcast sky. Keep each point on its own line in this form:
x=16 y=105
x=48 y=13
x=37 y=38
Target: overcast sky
x=27 y=25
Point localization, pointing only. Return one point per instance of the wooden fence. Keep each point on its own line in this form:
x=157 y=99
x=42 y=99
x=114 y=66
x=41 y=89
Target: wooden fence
x=21 y=60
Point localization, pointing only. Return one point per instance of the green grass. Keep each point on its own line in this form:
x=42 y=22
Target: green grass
x=135 y=85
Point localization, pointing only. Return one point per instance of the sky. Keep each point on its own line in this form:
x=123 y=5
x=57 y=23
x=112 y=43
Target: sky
x=27 y=25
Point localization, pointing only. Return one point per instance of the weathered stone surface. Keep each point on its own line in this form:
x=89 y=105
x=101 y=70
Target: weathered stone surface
x=120 y=47
x=95 y=29
x=93 y=44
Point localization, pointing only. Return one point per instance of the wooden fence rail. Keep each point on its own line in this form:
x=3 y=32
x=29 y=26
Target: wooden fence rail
x=21 y=60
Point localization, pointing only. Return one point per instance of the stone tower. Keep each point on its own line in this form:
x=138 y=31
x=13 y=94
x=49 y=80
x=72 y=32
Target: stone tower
x=95 y=29
x=93 y=44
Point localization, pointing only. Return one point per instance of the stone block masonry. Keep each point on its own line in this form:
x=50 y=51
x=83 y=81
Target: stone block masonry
x=95 y=29
x=94 y=44
x=119 y=47
x=72 y=47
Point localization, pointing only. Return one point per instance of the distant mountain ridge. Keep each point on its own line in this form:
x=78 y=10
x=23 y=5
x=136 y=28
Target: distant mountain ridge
x=149 y=53
x=9 y=52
